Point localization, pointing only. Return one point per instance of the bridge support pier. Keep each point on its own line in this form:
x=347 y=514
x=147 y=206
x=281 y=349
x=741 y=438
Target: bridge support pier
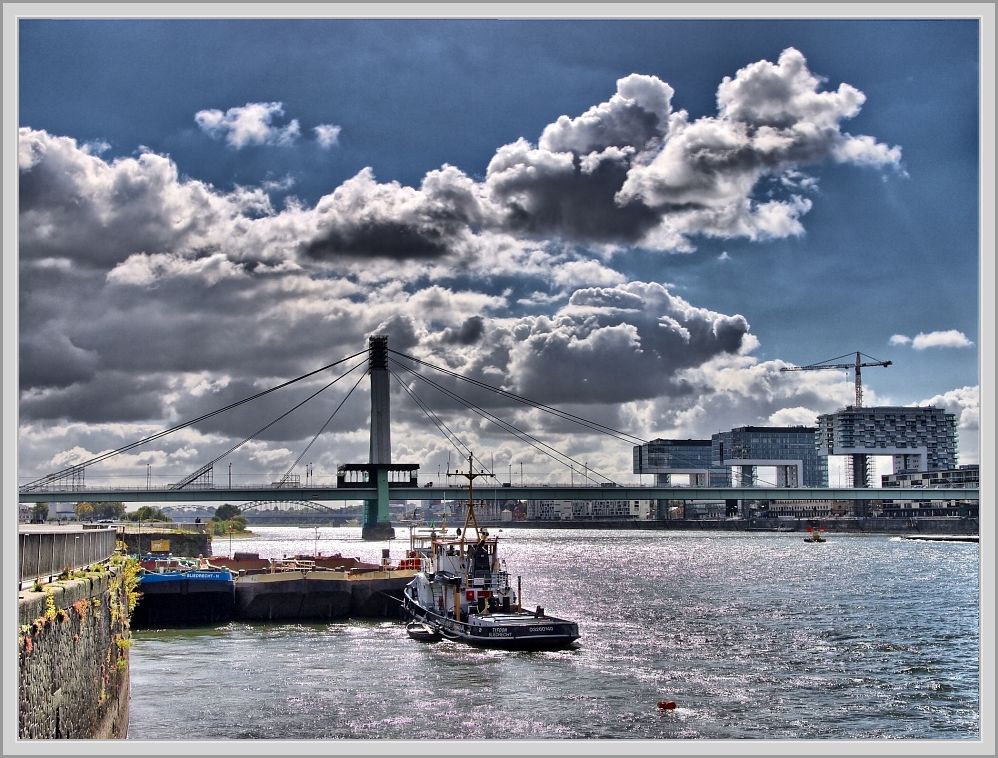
x=377 y=521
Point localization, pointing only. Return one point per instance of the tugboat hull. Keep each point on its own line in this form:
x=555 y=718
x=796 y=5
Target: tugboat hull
x=506 y=631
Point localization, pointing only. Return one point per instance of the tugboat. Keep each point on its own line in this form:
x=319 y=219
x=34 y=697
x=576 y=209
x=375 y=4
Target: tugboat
x=462 y=591
x=814 y=535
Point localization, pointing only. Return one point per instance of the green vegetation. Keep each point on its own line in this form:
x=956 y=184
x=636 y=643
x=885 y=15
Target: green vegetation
x=39 y=512
x=227 y=521
x=235 y=525
x=147 y=513
x=128 y=577
x=111 y=510
x=226 y=512
x=50 y=609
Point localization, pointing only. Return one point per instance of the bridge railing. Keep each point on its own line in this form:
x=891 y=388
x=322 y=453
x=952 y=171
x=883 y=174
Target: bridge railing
x=48 y=554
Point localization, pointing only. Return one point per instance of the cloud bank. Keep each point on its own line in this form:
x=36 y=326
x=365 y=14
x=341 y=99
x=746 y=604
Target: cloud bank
x=148 y=296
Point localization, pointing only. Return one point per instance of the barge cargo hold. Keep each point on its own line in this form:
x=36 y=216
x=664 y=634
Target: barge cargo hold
x=174 y=592
x=265 y=590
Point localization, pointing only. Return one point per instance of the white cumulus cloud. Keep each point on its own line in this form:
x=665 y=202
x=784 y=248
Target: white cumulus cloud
x=327 y=135
x=250 y=124
x=965 y=404
x=948 y=338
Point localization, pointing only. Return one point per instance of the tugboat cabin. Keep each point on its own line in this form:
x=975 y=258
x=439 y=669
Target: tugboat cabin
x=459 y=561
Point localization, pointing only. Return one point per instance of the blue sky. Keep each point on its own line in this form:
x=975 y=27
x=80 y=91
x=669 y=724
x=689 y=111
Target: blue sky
x=858 y=232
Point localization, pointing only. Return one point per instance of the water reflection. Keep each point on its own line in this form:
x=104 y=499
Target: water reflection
x=752 y=635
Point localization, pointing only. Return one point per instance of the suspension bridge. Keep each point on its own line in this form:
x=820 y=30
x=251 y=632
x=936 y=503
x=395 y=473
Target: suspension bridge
x=380 y=480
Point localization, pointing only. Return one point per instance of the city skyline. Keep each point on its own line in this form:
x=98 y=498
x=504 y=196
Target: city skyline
x=640 y=222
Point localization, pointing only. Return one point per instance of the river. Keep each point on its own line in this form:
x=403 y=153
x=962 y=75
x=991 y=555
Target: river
x=752 y=635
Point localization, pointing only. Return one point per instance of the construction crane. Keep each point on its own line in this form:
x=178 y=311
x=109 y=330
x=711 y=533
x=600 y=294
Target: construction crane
x=857 y=366
x=858 y=473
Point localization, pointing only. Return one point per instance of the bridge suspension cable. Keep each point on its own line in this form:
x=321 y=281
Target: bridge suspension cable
x=187 y=480
x=590 y=424
x=535 y=443
x=447 y=432
x=610 y=431
x=287 y=474
x=131 y=446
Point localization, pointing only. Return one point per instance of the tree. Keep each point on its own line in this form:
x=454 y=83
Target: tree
x=225 y=512
x=147 y=513
x=111 y=509
x=39 y=512
x=84 y=511
x=234 y=525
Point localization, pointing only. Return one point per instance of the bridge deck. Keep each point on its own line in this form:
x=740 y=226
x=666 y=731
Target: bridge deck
x=556 y=492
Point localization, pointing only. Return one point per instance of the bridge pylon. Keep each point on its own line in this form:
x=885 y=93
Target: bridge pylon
x=379 y=470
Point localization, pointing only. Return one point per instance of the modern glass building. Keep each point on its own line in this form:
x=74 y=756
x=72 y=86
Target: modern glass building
x=663 y=458
x=918 y=439
x=791 y=450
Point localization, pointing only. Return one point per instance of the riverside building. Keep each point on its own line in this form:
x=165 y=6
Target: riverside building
x=664 y=458
x=961 y=476
x=566 y=510
x=918 y=439
x=791 y=450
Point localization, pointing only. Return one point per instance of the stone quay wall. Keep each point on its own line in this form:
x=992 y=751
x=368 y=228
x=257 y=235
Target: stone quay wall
x=185 y=544
x=73 y=642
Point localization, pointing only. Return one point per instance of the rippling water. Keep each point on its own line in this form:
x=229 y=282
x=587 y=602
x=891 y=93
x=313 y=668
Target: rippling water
x=752 y=635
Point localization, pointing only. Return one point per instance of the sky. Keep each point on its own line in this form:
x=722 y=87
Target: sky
x=640 y=222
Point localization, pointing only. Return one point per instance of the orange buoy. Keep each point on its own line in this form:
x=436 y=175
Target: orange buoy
x=666 y=705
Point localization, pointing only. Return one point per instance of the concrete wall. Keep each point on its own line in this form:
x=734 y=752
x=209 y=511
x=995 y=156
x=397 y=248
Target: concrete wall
x=73 y=659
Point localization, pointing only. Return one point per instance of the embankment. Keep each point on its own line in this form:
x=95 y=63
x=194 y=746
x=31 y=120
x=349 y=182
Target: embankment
x=73 y=642
x=845 y=525
x=179 y=543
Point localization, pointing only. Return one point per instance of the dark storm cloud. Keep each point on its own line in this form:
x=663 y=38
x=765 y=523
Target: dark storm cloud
x=108 y=396
x=365 y=219
x=372 y=239
x=73 y=204
x=558 y=194
x=50 y=359
x=301 y=424
x=618 y=344
x=468 y=333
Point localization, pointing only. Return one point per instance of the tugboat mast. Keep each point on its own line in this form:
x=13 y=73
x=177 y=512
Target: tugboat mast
x=469 y=517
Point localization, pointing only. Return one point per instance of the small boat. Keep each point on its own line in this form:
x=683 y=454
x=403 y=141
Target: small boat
x=422 y=632
x=814 y=535
x=462 y=591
